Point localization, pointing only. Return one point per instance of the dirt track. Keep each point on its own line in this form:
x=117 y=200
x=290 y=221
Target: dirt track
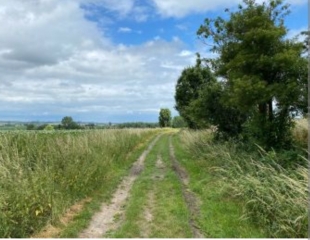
x=109 y=216
x=189 y=197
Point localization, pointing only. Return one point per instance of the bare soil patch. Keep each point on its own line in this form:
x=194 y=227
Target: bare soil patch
x=190 y=198
x=105 y=219
x=51 y=231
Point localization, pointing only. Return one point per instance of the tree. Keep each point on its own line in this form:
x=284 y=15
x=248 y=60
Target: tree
x=30 y=126
x=178 y=122
x=261 y=68
x=68 y=123
x=164 y=117
x=211 y=108
x=188 y=86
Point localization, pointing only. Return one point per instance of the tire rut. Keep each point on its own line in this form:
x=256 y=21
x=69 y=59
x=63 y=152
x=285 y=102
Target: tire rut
x=104 y=220
x=190 y=198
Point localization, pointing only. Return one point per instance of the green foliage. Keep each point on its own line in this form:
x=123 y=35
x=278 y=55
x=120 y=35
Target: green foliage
x=49 y=127
x=260 y=66
x=30 y=126
x=211 y=108
x=178 y=122
x=136 y=125
x=164 y=117
x=68 y=123
x=191 y=81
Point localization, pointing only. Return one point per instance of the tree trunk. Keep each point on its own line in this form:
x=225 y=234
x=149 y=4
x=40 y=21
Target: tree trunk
x=270 y=110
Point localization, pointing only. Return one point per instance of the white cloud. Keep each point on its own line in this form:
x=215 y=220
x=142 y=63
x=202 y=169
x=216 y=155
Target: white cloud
x=121 y=7
x=181 y=8
x=54 y=61
x=185 y=53
x=124 y=29
x=296 y=33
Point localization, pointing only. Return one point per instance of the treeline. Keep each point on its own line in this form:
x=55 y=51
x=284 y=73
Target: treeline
x=257 y=83
x=67 y=123
x=135 y=125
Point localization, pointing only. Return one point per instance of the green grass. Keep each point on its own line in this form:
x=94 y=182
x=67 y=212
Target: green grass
x=159 y=192
x=268 y=195
x=43 y=173
x=220 y=215
x=82 y=220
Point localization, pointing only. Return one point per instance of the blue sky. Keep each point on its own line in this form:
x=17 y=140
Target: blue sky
x=102 y=60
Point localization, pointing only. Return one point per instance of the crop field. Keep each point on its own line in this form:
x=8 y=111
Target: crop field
x=43 y=173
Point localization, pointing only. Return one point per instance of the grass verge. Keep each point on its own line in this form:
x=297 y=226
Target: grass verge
x=271 y=196
x=220 y=215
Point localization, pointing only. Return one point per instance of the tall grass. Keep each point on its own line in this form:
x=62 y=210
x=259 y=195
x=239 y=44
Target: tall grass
x=43 y=173
x=275 y=197
x=300 y=132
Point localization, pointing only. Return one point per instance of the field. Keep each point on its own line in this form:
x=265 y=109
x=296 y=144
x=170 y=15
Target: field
x=44 y=173
x=146 y=183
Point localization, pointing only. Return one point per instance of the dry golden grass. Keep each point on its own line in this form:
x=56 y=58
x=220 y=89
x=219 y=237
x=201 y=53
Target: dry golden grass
x=300 y=131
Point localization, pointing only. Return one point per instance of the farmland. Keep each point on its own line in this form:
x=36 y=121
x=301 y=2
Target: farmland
x=43 y=173
x=61 y=183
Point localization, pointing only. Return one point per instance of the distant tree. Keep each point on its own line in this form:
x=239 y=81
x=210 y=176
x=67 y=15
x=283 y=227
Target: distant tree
x=178 y=122
x=164 y=117
x=90 y=126
x=30 y=126
x=68 y=123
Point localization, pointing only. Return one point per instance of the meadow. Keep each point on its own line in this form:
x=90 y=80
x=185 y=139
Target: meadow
x=42 y=173
x=272 y=186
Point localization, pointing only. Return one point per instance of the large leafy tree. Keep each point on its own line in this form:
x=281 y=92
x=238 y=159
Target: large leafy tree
x=164 y=117
x=265 y=72
x=191 y=81
x=211 y=108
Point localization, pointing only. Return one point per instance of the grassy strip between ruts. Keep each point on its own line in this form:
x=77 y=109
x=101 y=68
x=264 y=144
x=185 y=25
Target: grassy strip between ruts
x=220 y=215
x=156 y=208
x=82 y=219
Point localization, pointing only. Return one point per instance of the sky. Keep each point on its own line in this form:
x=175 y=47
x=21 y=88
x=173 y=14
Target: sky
x=103 y=60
